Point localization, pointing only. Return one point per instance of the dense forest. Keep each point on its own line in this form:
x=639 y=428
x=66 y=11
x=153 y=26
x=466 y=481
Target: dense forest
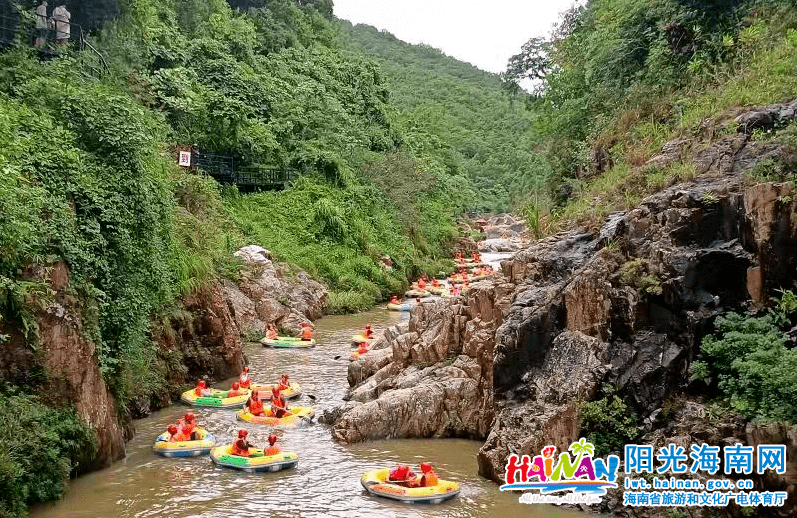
x=479 y=129
x=616 y=79
x=387 y=144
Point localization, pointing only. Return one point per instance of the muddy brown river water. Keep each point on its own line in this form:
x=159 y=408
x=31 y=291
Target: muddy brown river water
x=326 y=482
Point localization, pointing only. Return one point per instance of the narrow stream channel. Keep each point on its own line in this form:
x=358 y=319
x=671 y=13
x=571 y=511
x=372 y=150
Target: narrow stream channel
x=326 y=482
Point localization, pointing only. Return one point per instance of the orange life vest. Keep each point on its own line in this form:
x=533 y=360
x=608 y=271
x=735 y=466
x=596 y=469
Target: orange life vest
x=272 y=334
x=429 y=479
x=243 y=380
x=234 y=393
x=307 y=334
x=240 y=448
x=256 y=407
x=179 y=437
x=277 y=404
x=272 y=450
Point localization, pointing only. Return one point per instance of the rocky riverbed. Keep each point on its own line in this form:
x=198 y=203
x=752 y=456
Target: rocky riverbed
x=625 y=304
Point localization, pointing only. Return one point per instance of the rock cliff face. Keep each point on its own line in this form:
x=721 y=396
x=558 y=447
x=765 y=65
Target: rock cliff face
x=627 y=304
x=206 y=336
x=201 y=340
x=64 y=365
x=269 y=293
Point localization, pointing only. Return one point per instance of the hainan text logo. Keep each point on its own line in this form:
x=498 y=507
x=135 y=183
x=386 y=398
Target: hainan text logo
x=584 y=477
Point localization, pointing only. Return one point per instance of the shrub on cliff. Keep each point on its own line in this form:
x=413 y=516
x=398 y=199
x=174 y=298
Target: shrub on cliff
x=754 y=362
x=607 y=423
x=39 y=448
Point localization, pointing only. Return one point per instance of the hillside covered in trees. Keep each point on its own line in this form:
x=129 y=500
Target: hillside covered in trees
x=386 y=142
x=617 y=79
x=479 y=129
x=89 y=177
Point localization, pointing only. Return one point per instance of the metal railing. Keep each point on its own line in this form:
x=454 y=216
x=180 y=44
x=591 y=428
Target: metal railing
x=17 y=31
x=224 y=169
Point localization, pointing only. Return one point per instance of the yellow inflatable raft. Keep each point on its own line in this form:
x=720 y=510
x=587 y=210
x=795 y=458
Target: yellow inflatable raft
x=375 y=482
x=164 y=448
x=436 y=290
x=217 y=399
x=298 y=416
x=264 y=391
x=415 y=294
x=399 y=307
x=256 y=463
x=287 y=342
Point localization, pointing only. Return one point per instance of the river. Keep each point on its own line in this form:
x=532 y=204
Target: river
x=326 y=482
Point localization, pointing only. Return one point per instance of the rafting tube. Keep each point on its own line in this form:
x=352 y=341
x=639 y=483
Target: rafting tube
x=436 y=290
x=414 y=294
x=399 y=307
x=218 y=399
x=202 y=446
x=294 y=390
x=287 y=342
x=299 y=416
x=375 y=482
x=257 y=463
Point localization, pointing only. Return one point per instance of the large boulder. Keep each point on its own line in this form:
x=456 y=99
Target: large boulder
x=271 y=293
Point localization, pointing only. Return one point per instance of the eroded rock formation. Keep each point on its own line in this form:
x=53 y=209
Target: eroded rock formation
x=627 y=304
x=64 y=365
x=271 y=293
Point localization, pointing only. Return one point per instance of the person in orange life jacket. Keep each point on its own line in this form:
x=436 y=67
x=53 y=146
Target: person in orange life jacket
x=459 y=255
x=174 y=435
x=278 y=406
x=241 y=446
x=401 y=475
x=421 y=284
x=435 y=283
x=284 y=382
x=368 y=332
x=428 y=479
x=272 y=450
x=395 y=300
x=254 y=405
x=188 y=427
x=272 y=332
x=202 y=389
x=362 y=348
x=453 y=289
x=243 y=378
x=235 y=390
x=307 y=332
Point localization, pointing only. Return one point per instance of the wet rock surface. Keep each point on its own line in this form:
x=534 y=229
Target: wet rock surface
x=66 y=363
x=626 y=304
x=272 y=293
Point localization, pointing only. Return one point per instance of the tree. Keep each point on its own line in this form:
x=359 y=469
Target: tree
x=533 y=61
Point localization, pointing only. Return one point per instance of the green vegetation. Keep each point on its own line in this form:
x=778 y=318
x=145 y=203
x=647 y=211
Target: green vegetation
x=88 y=177
x=607 y=423
x=616 y=79
x=40 y=447
x=636 y=273
x=457 y=113
x=754 y=362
